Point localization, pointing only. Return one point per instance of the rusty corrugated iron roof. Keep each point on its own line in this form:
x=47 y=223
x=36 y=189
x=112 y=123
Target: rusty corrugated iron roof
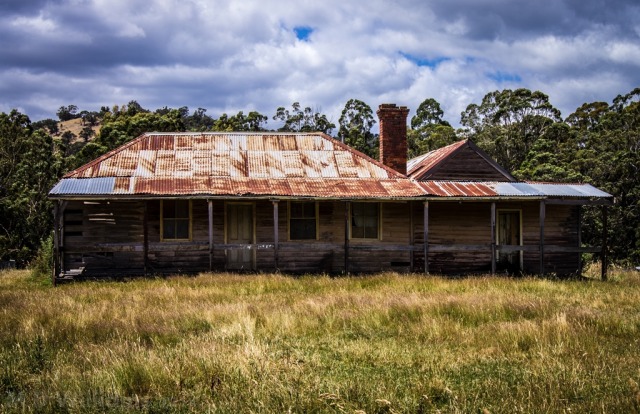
x=237 y=164
x=458 y=189
x=418 y=166
x=490 y=189
x=425 y=166
x=268 y=155
x=364 y=188
x=360 y=188
x=310 y=165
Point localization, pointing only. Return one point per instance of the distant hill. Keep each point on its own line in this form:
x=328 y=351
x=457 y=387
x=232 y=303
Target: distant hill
x=75 y=126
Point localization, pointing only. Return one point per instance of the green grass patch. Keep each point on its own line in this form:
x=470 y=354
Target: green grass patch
x=270 y=343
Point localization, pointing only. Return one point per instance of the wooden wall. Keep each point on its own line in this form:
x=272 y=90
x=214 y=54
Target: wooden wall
x=107 y=239
x=94 y=233
x=466 y=165
x=560 y=229
x=451 y=224
x=455 y=223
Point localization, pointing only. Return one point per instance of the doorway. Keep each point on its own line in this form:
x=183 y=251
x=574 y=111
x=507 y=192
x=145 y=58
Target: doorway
x=509 y=233
x=240 y=230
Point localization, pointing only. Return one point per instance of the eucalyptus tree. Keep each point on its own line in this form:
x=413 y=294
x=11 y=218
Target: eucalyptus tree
x=429 y=131
x=253 y=121
x=355 y=123
x=302 y=120
x=30 y=163
x=507 y=123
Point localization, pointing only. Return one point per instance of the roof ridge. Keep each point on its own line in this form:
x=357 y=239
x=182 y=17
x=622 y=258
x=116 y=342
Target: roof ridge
x=447 y=150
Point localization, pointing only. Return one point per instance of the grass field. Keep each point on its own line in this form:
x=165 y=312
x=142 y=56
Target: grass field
x=269 y=343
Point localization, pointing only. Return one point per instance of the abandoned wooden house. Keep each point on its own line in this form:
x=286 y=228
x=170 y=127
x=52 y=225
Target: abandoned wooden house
x=305 y=202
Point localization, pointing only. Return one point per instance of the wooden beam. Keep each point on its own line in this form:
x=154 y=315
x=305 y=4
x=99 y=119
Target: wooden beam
x=275 y=234
x=347 y=208
x=510 y=248
x=541 y=241
x=568 y=202
x=458 y=247
x=425 y=229
x=572 y=249
x=63 y=205
x=145 y=236
x=579 y=237
x=411 y=236
x=319 y=246
x=604 y=244
x=210 y=208
x=493 y=238
x=56 y=243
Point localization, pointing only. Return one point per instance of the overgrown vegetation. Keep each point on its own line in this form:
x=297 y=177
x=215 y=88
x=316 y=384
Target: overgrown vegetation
x=268 y=343
x=599 y=144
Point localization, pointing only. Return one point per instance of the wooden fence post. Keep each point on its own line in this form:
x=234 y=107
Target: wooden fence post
x=542 y=218
x=426 y=237
x=276 y=235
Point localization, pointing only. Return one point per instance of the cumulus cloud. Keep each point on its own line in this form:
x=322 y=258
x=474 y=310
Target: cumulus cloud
x=227 y=56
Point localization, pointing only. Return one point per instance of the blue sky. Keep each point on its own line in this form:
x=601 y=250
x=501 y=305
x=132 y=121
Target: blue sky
x=228 y=56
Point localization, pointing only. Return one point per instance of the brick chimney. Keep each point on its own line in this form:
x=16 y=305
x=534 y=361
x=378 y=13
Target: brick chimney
x=393 y=136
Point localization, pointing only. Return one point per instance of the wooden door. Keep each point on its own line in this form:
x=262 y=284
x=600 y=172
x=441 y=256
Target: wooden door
x=509 y=234
x=240 y=231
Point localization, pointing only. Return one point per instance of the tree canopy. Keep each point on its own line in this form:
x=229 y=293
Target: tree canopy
x=429 y=130
x=355 y=123
x=599 y=143
x=302 y=120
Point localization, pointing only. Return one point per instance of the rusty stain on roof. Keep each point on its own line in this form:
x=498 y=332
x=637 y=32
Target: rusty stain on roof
x=310 y=165
x=289 y=164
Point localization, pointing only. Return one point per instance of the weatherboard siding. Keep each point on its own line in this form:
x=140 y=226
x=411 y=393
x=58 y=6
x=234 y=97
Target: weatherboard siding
x=560 y=229
x=107 y=239
x=466 y=165
x=467 y=227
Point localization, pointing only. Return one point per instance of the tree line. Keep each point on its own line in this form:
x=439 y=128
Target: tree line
x=599 y=143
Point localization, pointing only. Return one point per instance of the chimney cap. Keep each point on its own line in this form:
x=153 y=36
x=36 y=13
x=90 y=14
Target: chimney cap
x=386 y=106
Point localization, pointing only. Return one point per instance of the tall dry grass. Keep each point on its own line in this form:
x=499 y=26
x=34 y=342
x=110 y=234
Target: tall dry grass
x=269 y=343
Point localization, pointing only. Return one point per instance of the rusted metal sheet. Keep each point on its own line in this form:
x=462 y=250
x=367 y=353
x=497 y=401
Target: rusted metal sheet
x=458 y=189
x=272 y=164
x=352 y=188
x=236 y=155
x=504 y=189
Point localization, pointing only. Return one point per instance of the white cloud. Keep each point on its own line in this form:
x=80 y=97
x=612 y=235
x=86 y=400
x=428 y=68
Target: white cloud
x=228 y=55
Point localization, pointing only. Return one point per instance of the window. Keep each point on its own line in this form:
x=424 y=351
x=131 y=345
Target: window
x=176 y=220
x=365 y=220
x=302 y=220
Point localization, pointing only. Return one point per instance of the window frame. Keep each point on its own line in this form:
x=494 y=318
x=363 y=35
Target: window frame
x=316 y=218
x=379 y=220
x=162 y=219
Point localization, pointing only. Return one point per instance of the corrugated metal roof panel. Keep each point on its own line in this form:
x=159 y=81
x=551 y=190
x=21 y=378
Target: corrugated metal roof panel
x=568 y=190
x=358 y=188
x=78 y=186
x=515 y=189
x=292 y=163
x=232 y=154
x=507 y=189
x=458 y=189
x=305 y=165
